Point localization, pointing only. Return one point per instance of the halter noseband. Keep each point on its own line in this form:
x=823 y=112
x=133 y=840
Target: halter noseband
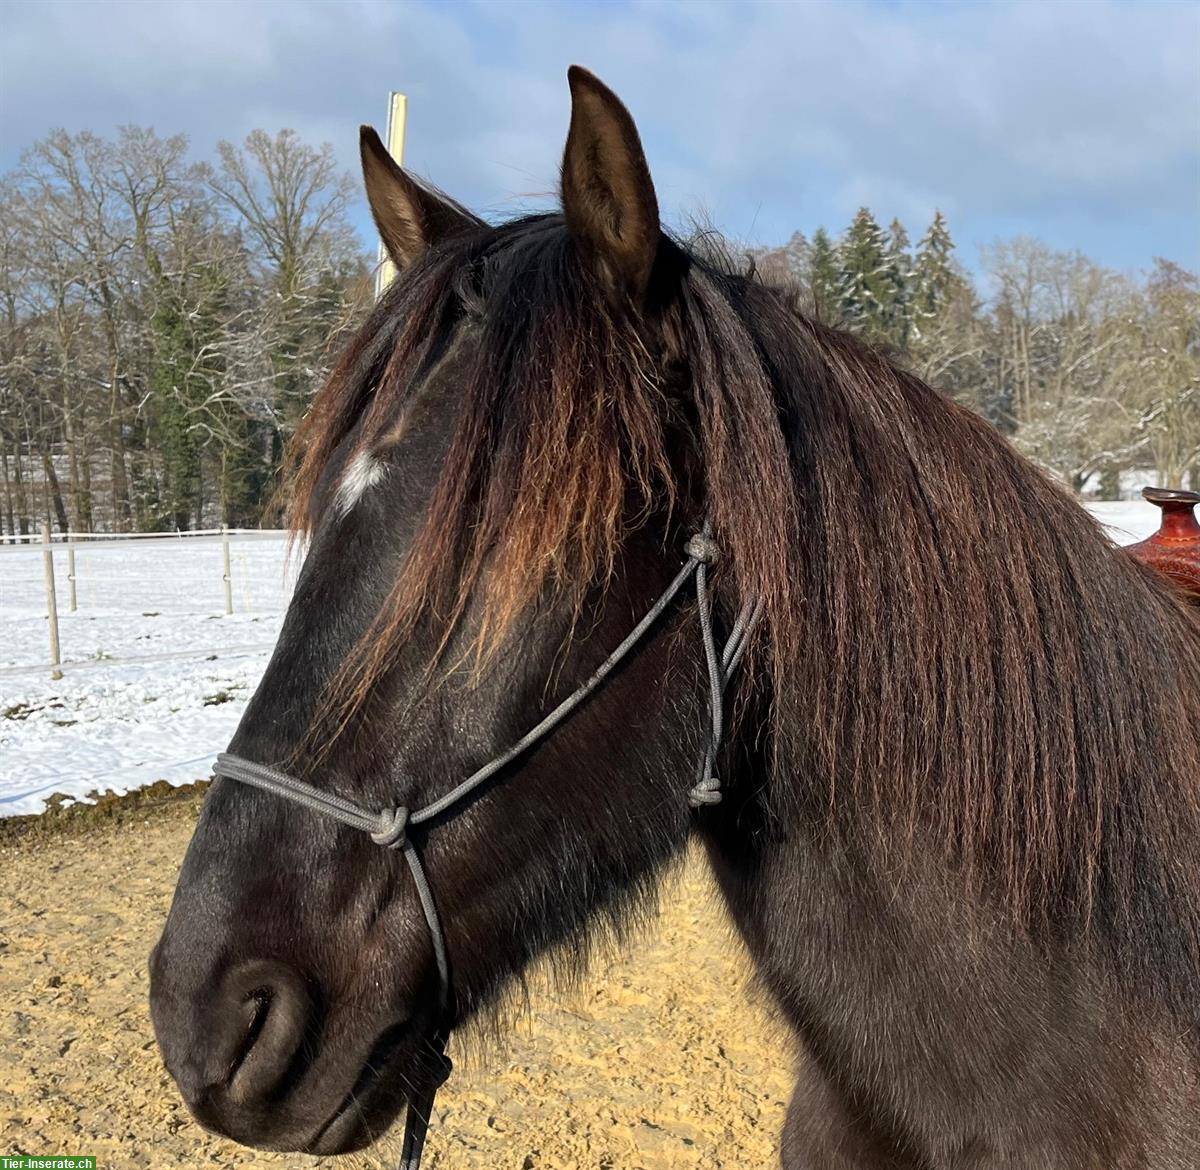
x=390 y=827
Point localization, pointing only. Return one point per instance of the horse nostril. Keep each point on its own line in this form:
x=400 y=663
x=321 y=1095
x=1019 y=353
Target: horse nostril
x=271 y=1007
x=255 y=1010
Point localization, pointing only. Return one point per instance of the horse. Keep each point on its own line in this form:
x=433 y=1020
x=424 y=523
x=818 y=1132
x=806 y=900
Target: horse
x=955 y=811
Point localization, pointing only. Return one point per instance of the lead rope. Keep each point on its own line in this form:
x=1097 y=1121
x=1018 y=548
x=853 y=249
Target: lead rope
x=389 y=827
x=420 y=1108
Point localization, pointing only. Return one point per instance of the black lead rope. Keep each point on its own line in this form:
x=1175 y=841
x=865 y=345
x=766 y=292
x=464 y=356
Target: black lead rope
x=390 y=827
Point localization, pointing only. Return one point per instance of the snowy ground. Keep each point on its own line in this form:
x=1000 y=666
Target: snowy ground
x=114 y=725
x=1127 y=521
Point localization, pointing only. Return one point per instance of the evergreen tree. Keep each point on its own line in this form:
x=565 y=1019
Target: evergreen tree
x=795 y=255
x=899 y=276
x=185 y=368
x=863 y=291
x=897 y=240
x=170 y=383
x=936 y=278
x=823 y=276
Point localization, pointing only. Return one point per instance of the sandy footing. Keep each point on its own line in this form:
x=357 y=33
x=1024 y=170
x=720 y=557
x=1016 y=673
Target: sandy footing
x=659 y=1062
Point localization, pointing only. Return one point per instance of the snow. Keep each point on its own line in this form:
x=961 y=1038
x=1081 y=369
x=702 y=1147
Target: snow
x=112 y=724
x=1127 y=521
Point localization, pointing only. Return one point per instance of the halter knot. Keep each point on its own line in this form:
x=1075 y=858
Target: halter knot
x=701 y=547
x=706 y=791
x=393 y=828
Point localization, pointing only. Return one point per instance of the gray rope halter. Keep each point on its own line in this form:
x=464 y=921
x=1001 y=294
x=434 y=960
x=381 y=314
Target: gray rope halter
x=390 y=826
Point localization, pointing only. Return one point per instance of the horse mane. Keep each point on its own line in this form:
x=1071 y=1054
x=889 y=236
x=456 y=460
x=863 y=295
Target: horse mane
x=955 y=653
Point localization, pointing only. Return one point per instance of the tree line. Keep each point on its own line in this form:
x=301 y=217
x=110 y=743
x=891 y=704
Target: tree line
x=1091 y=372
x=165 y=322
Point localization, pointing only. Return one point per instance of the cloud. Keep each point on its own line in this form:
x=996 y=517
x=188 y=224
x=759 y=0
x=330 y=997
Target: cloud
x=1076 y=121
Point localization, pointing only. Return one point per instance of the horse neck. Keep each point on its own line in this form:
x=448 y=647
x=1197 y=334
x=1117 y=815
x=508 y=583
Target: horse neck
x=984 y=690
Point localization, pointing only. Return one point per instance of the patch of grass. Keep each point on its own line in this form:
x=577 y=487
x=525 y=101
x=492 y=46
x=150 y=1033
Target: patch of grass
x=219 y=697
x=110 y=810
x=24 y=710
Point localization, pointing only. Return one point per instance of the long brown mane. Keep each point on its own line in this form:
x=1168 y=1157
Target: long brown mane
x=955 y=653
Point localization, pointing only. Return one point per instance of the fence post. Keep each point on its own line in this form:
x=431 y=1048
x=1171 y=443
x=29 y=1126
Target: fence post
x=228 y=574
x=71 y=570
x=51 y=605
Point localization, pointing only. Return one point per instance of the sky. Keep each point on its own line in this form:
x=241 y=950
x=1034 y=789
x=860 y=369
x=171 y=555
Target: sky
x=1076 y=121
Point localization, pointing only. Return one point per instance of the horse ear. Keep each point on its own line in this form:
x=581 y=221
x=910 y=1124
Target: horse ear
x=607 y=196
x=409 y=216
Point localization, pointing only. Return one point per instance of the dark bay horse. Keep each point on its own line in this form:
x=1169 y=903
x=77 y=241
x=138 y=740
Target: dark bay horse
x=960 y=824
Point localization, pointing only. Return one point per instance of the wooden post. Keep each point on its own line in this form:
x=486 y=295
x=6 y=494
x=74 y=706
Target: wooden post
x=397 y=121
x=71 y=572
x=51 y=605
x=228 y=574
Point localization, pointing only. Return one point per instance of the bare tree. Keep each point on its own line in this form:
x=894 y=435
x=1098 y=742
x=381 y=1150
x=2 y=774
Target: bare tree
x=164 y=324
x=289 y=200
x=1157 y=366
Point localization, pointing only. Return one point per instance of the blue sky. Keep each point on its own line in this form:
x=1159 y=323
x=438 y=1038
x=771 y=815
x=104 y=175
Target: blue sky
x=1078 y=122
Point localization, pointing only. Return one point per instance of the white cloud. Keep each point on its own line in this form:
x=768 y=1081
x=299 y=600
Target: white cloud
x=775 y=115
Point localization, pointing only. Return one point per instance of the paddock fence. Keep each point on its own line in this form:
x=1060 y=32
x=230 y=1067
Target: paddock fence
x=111 y=576
x=121 y=578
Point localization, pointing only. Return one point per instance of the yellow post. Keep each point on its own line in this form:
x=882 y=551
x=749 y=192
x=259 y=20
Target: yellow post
x=397 y=119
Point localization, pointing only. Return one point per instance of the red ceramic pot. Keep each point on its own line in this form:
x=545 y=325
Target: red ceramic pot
x=1175 y=548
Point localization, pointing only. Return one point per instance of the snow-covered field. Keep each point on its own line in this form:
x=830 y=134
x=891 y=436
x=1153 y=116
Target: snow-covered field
x=115 y=725
x=112 y=724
